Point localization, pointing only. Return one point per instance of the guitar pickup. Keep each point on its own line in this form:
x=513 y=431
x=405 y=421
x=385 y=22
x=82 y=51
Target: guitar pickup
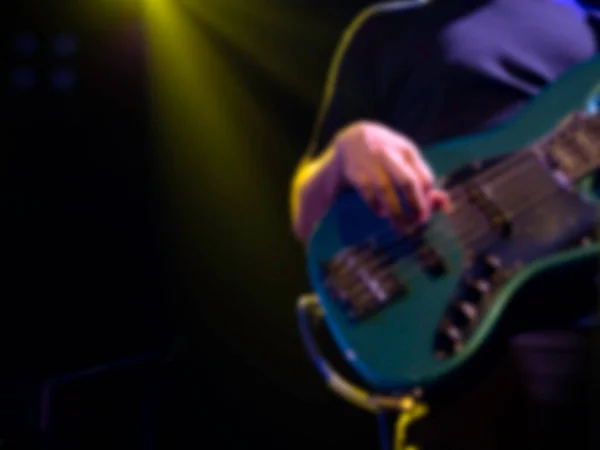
x=361 y=282
x=494 y=215
x=431 y=261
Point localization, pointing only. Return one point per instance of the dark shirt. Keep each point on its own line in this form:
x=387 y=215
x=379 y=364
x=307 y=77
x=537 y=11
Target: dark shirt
x=452 y=67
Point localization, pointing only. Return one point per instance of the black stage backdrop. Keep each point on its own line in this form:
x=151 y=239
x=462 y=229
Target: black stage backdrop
x=94 y=274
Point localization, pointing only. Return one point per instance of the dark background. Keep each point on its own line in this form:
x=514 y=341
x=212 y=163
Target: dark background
x=97 y=270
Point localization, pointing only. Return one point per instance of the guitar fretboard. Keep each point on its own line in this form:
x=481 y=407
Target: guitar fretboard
x=574 y=146
x=488 y=201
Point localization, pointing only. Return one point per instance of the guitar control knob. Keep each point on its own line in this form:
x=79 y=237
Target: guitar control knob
x=462 y=314
x=455 y=337
x=482 y=286
x=448 y=341
x=493 y=262
x=477 y=290
x=469 y=310
x=453 y=333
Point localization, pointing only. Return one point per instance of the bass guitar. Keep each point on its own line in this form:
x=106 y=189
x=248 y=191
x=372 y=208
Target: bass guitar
x=409 y=310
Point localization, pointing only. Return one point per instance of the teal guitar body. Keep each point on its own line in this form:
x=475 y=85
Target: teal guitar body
x=410 y=310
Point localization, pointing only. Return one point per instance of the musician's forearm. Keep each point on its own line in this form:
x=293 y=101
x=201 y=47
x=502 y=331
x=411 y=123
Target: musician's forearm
x=314 y=189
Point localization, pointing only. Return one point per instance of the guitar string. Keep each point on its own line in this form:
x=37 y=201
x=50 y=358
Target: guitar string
x=447 y=232
x=484 y=231
x=478 y=230
x=508 y=169
x=468 y=220
x=512 y=196
x=542 y=149
x=408 y=275
x=460 y=201
x=466 y=224
x=507 y=175
x=539 y=150
x=544 y=141
x=514 y=202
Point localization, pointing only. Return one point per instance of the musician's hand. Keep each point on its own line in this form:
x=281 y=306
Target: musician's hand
x=379 y=163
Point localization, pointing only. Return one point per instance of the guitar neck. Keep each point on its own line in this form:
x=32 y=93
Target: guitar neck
x=574 y=147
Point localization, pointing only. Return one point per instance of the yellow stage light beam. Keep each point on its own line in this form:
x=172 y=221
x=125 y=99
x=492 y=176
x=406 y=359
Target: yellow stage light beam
x=215 y=153
x=280 y=37
x=100 y=11
x=214 y=132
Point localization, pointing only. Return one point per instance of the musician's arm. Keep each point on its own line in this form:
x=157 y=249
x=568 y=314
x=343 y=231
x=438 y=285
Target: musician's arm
x=349 y=97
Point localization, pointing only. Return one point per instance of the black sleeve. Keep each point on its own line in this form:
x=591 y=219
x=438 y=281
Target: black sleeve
x=350 y=92
x=594 y=21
